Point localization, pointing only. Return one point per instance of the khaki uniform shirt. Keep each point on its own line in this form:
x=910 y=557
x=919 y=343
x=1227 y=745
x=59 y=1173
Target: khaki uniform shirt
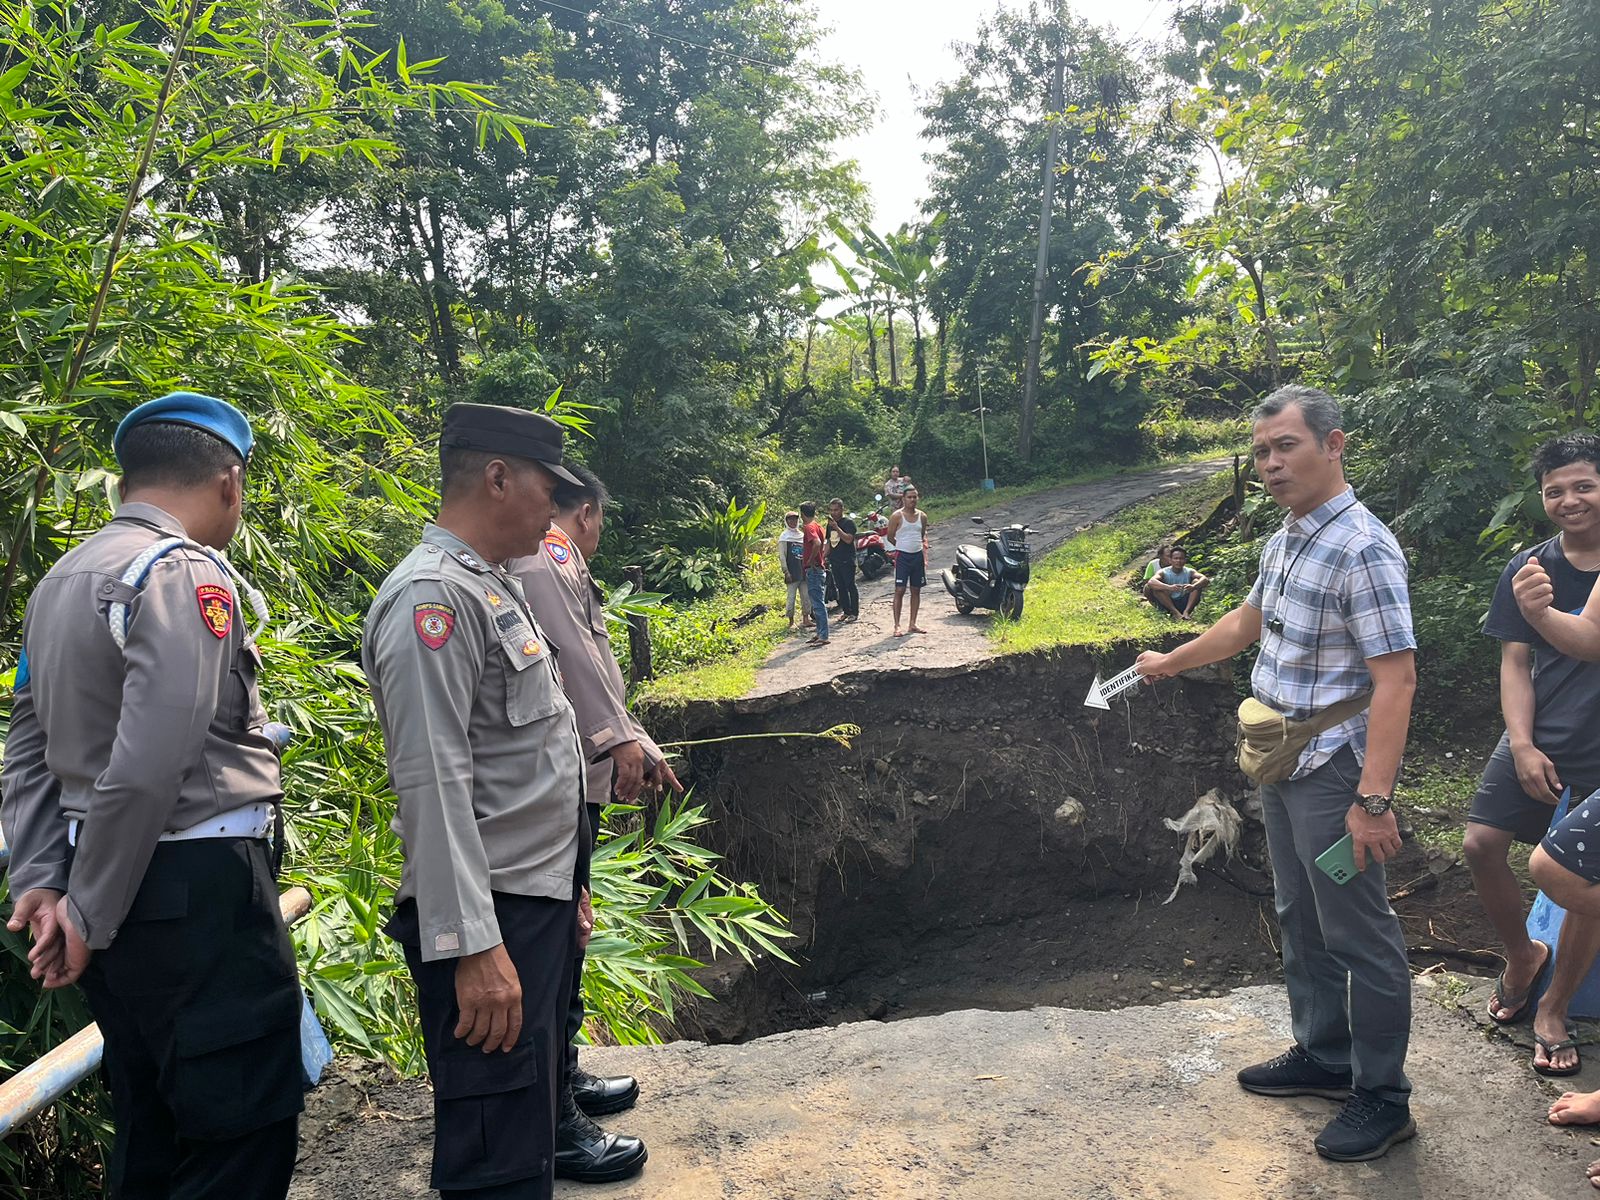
x=482 y=746
x=571 y=607
x=134 y=742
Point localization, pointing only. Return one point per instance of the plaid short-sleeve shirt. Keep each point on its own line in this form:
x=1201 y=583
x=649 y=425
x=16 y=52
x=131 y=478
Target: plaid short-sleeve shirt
x=1332 y=594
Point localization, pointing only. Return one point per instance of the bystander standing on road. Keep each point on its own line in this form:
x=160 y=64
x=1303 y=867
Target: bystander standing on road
x=1566 y=864
x=1331 y=609
x=815 y=561
x=1551 y=705
x=894 y=488
x=791 y=556
x=841 y=534
x=907 y=535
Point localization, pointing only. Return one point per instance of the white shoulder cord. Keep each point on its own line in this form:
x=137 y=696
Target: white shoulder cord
x=138 y=570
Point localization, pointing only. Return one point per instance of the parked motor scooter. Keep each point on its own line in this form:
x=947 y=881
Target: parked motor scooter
x=992 y=575
x=872 y=552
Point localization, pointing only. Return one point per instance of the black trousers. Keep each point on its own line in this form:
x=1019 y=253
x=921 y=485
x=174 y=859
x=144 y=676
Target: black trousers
x=575 y=1009
x=495 y=1114
x=199 y=1004
x=843 y=570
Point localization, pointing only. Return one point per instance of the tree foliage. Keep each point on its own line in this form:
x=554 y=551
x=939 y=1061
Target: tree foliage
x=1122 y=178
x=194 y=197
x=1405 y=217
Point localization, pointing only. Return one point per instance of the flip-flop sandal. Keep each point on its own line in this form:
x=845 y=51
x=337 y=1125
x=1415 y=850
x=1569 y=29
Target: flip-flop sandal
x=1522 y=1002
x=1551 y=1049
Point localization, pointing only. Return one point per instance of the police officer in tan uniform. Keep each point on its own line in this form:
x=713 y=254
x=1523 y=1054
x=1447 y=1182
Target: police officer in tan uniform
x=139 y=793
x=622 y=759
x=484 y=756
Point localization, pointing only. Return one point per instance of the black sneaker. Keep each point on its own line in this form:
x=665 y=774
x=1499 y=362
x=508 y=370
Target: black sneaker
x=1365 y=1128
x=1295 y=1073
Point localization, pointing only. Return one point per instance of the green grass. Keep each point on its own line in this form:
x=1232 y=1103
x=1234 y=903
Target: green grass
x=725 y=678
x=1079 y=595
x=711 y=649
x=1436 y=793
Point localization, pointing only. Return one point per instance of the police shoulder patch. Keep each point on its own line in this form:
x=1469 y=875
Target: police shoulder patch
x=216 y=608
x=434 y=623
x=557 y=546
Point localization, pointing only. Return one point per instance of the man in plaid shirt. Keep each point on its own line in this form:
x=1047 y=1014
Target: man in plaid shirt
x=1332 y=612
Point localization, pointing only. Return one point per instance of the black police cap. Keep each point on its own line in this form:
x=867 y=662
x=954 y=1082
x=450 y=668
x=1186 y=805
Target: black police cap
x=515 y=432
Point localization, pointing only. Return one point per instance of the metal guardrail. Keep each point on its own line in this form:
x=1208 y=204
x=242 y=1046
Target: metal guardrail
x=39 y=1085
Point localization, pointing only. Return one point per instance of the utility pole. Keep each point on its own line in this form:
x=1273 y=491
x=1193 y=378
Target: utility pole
x=983 y=434
x=1041 y=271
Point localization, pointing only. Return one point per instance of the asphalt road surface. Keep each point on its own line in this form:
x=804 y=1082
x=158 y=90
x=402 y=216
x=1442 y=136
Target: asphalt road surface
x=950 y=639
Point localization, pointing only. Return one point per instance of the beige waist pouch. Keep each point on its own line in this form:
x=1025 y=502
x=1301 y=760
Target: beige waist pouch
x=1270 y=743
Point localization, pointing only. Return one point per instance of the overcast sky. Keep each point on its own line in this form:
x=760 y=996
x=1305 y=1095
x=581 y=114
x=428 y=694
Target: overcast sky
x=903 y=45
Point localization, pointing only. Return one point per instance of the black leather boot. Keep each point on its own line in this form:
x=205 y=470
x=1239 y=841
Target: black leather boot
x=598 y=1095
x=588 y=1154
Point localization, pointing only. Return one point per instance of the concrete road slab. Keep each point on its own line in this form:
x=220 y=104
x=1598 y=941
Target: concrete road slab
x=1137 y=1104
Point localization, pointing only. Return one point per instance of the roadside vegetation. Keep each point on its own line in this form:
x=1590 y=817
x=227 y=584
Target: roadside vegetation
x=1085 y=593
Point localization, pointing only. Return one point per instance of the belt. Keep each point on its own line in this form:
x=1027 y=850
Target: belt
x=247 y=821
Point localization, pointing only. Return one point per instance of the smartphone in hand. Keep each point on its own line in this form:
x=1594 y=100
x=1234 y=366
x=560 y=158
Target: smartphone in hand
x=1338 y=861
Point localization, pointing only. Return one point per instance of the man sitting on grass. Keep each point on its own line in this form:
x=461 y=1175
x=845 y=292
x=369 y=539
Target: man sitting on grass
x=1148 y=582
x=1177 y=586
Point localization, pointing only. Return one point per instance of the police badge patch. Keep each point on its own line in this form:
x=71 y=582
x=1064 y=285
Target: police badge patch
x=216 y=608
x=559 y=548
x=435 y=623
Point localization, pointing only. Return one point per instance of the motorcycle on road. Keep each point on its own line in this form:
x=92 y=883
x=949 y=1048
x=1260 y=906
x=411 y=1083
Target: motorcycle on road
x=872 y=552
x=992 y=575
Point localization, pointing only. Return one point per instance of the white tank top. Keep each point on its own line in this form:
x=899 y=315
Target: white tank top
x=908 y=538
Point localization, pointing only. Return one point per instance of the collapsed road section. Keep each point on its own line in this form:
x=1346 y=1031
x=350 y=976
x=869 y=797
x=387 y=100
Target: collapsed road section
x=985 y=840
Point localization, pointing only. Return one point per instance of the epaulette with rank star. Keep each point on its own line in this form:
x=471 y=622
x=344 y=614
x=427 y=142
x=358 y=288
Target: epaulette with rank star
x=469 y=561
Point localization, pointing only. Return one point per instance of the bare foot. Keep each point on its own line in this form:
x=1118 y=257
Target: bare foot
x=916 y=629
x=897 y=632
x=1576 y=1108
x=1594 y=1173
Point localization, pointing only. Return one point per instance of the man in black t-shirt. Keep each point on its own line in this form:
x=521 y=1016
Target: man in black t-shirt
x=1551 y=704
x=842 y=560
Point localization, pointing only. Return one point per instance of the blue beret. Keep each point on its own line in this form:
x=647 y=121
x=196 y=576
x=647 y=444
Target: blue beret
x=216 y=417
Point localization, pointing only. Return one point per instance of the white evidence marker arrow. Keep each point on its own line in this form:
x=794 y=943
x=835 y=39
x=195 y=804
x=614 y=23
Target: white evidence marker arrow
x=1101 y=693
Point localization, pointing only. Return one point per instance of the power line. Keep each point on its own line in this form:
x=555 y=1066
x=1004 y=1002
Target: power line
x=1146 y=20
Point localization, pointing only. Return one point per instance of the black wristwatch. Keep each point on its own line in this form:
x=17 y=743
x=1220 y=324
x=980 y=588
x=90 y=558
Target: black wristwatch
x=1376 y=804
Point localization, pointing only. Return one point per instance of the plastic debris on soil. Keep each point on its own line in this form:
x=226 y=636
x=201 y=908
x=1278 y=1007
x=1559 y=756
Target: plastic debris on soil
x=1211 y=823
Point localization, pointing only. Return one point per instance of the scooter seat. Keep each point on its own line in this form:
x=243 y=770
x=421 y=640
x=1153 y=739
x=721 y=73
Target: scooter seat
x=973 y=556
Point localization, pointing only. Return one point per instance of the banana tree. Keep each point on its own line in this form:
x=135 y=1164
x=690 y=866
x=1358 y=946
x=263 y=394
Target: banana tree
x=900 y=264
